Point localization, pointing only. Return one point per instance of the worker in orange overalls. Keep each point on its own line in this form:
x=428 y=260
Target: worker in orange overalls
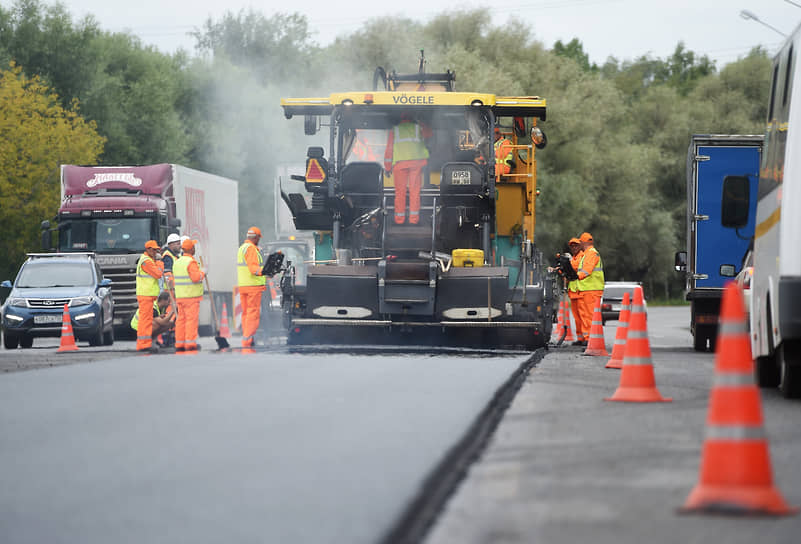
x=504 y=157
x=252 y=282
x=149 y=270
x=590 y=283
x=405 y=157
x=572 y=286
x=188 y=292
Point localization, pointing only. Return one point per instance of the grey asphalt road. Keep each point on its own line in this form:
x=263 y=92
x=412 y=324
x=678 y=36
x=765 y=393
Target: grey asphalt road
x=265 y=447
x=566 y=467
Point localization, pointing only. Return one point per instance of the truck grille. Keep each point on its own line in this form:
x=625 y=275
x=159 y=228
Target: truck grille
x=123 y=288
x=47 y=302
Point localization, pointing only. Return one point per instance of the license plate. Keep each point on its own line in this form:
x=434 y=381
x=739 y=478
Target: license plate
x=42 y=319
x=460 y=177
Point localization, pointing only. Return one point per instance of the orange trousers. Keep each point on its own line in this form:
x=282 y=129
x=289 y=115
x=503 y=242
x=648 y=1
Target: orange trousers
x=144 y=332
x=588 y=301
x=575 y=298
x=186 y=324
x=251 y=313
x=408 y=175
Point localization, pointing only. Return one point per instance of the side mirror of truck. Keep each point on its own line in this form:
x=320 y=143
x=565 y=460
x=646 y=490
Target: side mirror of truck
x=735 y=202
x=310 y=125
x=681 y=261
x=47 y=239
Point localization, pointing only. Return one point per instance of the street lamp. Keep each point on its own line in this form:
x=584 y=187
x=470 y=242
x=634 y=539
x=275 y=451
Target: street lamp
x=745 y=14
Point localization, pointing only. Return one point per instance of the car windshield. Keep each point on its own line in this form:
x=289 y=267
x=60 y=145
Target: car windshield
x=55 y=273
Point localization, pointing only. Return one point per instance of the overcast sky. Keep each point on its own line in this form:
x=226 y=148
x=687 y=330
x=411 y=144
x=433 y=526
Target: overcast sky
x=622 y=28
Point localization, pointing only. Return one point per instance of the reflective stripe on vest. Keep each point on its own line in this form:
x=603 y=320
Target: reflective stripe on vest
x=146 y=285
x=244 y=276
x=408 y=143
x=500 y=145
x=135 y=318
x=184 y=286
x=595 y=281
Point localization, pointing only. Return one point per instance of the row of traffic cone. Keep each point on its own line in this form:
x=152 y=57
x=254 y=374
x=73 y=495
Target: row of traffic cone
x=735 y=475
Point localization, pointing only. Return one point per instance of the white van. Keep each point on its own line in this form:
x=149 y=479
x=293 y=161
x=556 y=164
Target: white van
x=776 y=283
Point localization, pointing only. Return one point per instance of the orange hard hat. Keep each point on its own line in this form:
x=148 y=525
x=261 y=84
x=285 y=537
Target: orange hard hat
x=254 y=231
x=188 y=244
x=574 y=241
x=585 y=237
x=151 y=244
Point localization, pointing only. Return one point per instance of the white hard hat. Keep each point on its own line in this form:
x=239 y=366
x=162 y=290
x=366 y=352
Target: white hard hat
x=173 y=238
x=184 y=237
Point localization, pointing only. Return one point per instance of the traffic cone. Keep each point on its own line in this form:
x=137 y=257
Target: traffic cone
x=67 y=338
x=735 y=476
x=596 y=345
x=637 y=383
x=619 y=348
x=569 y=337
x=225 y=332
x=560 y=323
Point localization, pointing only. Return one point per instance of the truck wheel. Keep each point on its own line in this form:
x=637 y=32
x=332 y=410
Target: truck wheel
x=766 y=372
x=699 y=340
x=788 y=355
x=26 y=341
x=10 y=341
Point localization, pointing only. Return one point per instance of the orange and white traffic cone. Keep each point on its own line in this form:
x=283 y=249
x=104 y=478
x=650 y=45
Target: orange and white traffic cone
x=67 y=337
x=619 y=348
x=597 y=344
x=735 y=476
x=569 y=337
x=225 y=332
x=637 y=383
x=560 y=323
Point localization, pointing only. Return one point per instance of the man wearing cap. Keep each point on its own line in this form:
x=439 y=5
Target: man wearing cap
x=149 y=269
x=188 y=293
x=252 y=282
x=572 y=286
x=590 y=283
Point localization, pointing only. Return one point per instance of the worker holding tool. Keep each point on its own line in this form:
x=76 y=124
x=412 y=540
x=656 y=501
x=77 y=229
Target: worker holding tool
x=188 y=292
x=252 y=282
x=149 y=269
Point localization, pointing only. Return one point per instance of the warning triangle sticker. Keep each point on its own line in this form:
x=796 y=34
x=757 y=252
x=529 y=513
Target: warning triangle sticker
x=314 y=172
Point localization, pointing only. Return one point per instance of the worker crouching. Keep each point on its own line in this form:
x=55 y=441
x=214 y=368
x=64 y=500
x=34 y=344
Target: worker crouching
x=188 y=293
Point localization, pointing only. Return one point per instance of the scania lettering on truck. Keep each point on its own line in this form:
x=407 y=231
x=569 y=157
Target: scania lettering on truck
x=113 y=210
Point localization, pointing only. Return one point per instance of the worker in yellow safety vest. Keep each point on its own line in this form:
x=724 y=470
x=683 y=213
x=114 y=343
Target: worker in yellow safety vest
x=404 y=158
x=252 y=283
x=149 y=269
x=188 y=293
x=163 y=316
x=590 y=283
x=504 y=157
x=572 y=286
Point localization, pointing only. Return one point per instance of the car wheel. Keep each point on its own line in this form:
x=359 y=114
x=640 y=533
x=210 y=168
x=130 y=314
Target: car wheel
x=97 y=337
x=10 y=341
x=788 y=356
x=26 y=341
x=108 y=337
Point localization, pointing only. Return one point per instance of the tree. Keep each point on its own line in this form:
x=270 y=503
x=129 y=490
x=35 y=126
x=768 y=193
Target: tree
x=36 y=135
x=575 y=50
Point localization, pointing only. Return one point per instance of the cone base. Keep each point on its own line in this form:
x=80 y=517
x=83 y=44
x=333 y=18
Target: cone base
x=638 y=394
x=614 y=363
x=596 y=352
x=62 y=349
x=737 y=501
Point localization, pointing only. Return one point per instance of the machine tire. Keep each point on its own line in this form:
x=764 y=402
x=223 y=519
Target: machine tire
x=108 y=337
x=10 y=341
x=766 y=372
x=788 y=357
x=26 y=341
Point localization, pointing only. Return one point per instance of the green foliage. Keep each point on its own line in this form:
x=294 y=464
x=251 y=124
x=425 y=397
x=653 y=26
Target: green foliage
x=575 y=50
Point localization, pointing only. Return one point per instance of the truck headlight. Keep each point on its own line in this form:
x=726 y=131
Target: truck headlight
x=81 y=301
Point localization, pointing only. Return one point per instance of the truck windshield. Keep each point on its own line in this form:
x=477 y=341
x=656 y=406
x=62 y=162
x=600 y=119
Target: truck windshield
x=55 y=273
x=110 y=235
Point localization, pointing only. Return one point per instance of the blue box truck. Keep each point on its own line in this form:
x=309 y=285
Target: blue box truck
x=715 y=252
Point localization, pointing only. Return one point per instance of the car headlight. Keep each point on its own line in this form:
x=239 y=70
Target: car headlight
x=81 y=301
x=18 y=302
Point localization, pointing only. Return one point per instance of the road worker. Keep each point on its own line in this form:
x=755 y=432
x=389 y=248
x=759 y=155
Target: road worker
x=188 y=293
x=149 y=269
x=163 y=318
x=170 y=254
x=504 y=156
x=405 y=157
x=590 y=283
x=252 y=282
x=572 y=286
